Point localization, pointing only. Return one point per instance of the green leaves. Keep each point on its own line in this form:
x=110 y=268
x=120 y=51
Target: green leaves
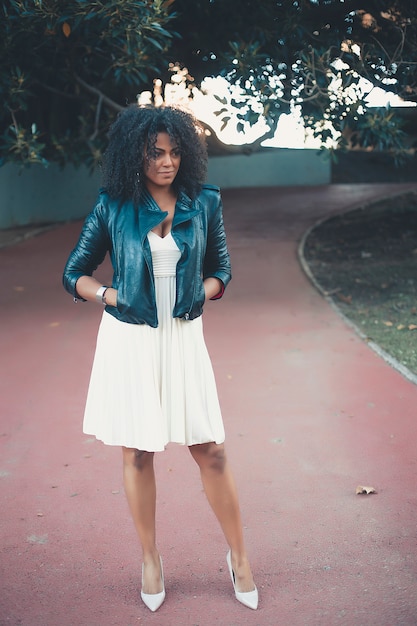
x=69 y=65
x=382 y=129
x=24 y=144
x=309 y=54
x=115 y=47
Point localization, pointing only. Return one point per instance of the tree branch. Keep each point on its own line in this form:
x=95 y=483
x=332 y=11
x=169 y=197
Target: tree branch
x=111 y=103
x=218 y=147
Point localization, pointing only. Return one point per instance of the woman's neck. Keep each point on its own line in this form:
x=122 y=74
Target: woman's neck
x=165 y=197
x=161 y=194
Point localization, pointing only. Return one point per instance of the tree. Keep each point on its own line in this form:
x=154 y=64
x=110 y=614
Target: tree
x=68 y=65
x=313 y=54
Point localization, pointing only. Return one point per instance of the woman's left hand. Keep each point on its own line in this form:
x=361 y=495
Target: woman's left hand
x=212 y=286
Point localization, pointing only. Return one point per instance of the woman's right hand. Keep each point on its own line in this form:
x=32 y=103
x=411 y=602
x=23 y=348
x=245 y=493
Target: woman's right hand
x=87 y=287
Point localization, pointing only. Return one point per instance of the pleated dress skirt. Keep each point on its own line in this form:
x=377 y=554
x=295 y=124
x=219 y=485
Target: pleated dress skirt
x=152 y=386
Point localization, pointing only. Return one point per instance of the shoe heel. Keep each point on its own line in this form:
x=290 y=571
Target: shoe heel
x=154 y=600
x=247 y=598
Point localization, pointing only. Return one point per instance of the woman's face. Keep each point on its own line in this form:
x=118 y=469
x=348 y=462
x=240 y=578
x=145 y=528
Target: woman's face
x=164 y=164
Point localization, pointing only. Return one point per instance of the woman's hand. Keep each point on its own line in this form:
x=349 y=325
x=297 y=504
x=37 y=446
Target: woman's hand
x=110 y=296
x=212 y=286
x=87 y=287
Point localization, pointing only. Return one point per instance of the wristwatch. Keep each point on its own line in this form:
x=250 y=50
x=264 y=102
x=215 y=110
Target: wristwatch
x=100 y=295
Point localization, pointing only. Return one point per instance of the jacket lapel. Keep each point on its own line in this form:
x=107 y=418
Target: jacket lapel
x=185 y=209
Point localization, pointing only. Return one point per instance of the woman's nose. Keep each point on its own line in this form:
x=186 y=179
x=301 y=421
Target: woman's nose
x=167 y=160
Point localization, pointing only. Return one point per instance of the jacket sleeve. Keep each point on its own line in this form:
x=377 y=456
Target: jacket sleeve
x=90 y=251
x=217 y=259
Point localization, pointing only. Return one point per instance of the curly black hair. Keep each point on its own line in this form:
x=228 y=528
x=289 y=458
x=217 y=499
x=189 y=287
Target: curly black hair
x=132 y=139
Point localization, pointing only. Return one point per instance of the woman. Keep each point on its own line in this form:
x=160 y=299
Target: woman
x=152 y=380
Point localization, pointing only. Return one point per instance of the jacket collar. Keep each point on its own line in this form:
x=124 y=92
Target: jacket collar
x=185 y=208
x=151 y=215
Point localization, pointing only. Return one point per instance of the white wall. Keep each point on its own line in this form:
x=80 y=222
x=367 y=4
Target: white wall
x=275 y=167
x=38 y=195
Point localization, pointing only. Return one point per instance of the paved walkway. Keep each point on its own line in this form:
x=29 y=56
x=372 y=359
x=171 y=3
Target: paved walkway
x=310 y=412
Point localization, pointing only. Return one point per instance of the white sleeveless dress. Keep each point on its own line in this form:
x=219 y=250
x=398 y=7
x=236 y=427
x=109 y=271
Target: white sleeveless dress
x=151 y=386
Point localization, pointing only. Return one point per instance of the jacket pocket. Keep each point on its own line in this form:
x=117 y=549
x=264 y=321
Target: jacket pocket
x=199 y=298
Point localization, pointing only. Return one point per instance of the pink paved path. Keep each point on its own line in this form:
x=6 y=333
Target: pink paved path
x=310 y=412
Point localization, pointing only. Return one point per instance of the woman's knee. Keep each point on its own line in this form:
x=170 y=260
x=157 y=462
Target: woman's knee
x=139 y=459
x=210 y=456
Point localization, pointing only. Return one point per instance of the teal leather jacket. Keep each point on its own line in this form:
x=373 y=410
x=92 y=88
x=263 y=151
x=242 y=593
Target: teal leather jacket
x=121 y=230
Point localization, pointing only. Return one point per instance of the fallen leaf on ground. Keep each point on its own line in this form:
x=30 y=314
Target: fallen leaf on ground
x=346 y=299
x=362 y=489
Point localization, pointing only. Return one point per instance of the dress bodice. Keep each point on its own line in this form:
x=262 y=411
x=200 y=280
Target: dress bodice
x=165 y=254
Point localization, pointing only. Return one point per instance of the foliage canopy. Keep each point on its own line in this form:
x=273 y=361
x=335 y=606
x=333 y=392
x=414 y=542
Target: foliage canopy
x=68 y=65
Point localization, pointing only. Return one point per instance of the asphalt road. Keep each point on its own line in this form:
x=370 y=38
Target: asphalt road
x=310 y=411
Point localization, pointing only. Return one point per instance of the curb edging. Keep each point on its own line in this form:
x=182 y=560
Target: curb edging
x=388 y=358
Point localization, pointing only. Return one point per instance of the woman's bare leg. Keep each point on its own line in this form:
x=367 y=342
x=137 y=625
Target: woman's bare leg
x=140 y=489
x=221 y=493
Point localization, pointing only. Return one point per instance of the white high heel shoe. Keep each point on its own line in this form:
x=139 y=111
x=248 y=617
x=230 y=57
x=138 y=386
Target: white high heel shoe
x=154 y=600
x=248 y=598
